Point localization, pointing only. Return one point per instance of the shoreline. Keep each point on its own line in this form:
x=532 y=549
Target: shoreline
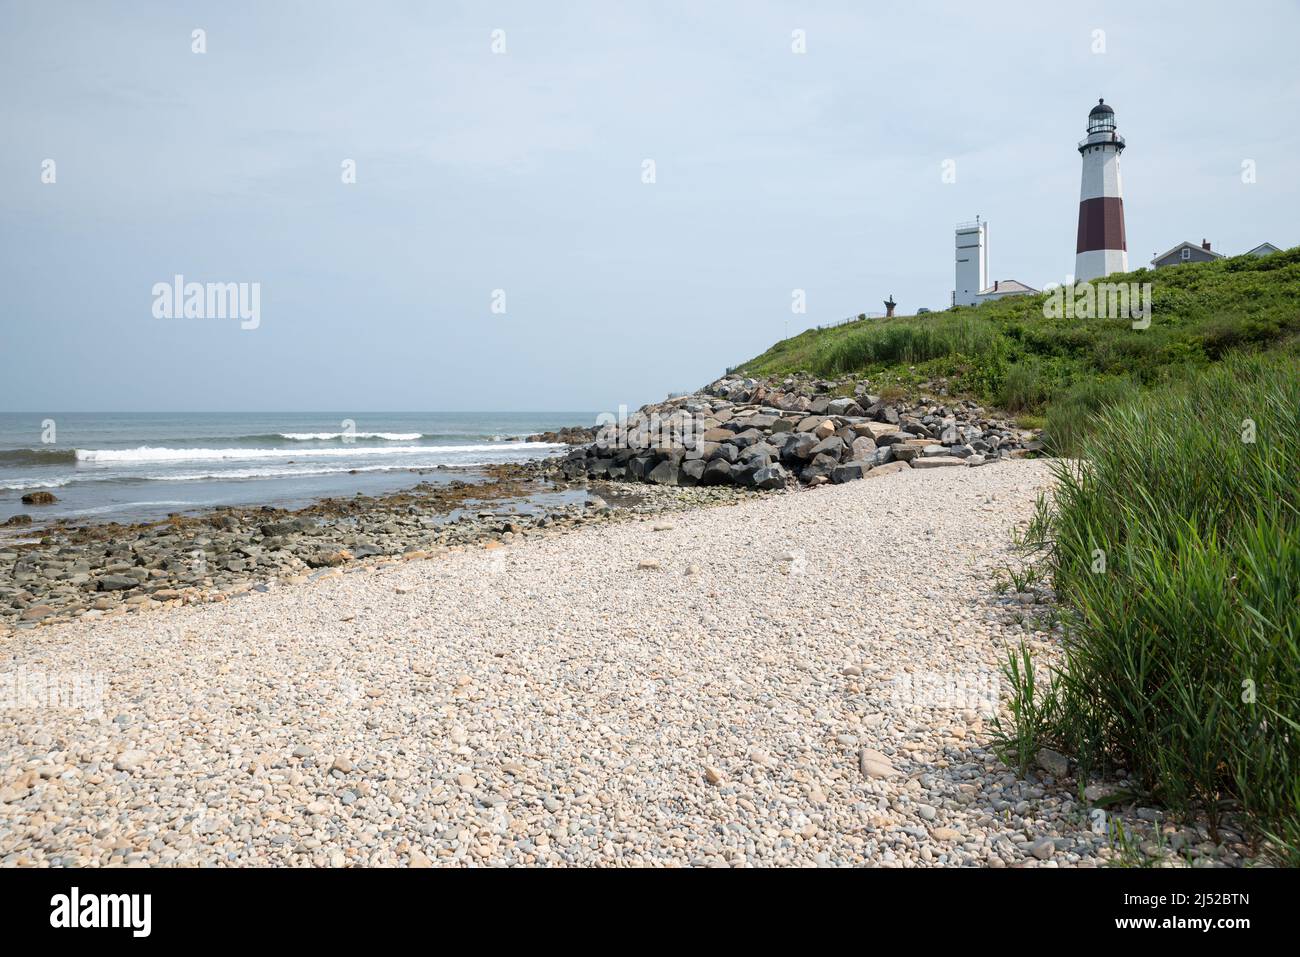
x=104 y=569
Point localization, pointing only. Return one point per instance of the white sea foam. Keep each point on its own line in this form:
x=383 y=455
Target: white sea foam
x=274 y=472
x=326 y=436
x=122 y=506
x=152 y=454
x=45 y=483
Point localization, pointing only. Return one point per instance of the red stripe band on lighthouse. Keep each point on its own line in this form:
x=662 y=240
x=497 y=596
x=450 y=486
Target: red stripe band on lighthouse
x=1101 y=224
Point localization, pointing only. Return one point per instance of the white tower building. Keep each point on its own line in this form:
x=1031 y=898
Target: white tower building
x=972 y=248
x=1101 y=248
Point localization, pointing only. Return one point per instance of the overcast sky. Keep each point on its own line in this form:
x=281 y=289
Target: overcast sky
x=523 y=171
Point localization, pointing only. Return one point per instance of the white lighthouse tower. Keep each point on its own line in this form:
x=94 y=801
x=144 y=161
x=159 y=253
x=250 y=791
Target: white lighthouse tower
x=972 y=248
x=1101 y=248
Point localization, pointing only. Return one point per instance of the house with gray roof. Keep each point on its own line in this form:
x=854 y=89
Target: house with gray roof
x=1187 y=253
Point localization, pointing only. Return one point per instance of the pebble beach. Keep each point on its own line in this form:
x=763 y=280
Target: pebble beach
x=745 y=684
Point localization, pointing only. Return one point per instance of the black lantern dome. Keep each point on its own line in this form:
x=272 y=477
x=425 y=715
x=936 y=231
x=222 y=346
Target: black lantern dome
x=1101 y=118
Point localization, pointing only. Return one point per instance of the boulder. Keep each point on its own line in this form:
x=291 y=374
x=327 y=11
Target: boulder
x=862 y=449
x=874 y=429
x=716 y=472
x=759 y=450
x=937 y=462
x=831 y=445
x=692 y=472
x=115 y=582
x=639 y=467
x=770 y=477
x=39 y=498
x=799 y=447
x=727 y=452
x=850 y=472
x=882 y=470
x=844 y=406
x=666 y=472
x=748 y=437
x=814 y=474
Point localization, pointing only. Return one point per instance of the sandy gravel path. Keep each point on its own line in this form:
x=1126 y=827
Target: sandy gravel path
x=797 y=682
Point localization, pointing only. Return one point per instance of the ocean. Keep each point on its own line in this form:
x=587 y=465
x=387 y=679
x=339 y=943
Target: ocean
x=130 y=467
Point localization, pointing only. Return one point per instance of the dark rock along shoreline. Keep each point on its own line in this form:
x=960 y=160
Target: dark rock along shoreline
x=736 y=438
x=744 y=432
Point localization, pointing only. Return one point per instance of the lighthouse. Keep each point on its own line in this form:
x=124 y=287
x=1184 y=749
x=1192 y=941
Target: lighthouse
x=1101 y=248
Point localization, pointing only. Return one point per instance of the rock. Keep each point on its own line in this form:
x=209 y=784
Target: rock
x=799 y=448
x=716 y=472
x=843 y=406
x=328 y=559
x=665 y=473
x=692 y=472
x=16 y=520
x=877 y=430
x=1095 y=792
x=726 y=451
x=849 y=472
x=39 y=498
x=1043 y=848
x=862 y=449
x=712 y=775
x=832 y=445
x=116 y=582
x=874 y=764
x=130 y=760
x=1053 y=762
x=770 y=477
x=882 y=470
x=945 y=834
x=36 y=613
x=937 y=462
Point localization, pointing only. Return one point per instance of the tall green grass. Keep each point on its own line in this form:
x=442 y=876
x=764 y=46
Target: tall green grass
x=908 y=343
x=1174 y=545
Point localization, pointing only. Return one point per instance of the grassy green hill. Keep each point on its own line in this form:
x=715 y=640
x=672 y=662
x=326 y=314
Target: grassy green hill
x=1059 y=371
